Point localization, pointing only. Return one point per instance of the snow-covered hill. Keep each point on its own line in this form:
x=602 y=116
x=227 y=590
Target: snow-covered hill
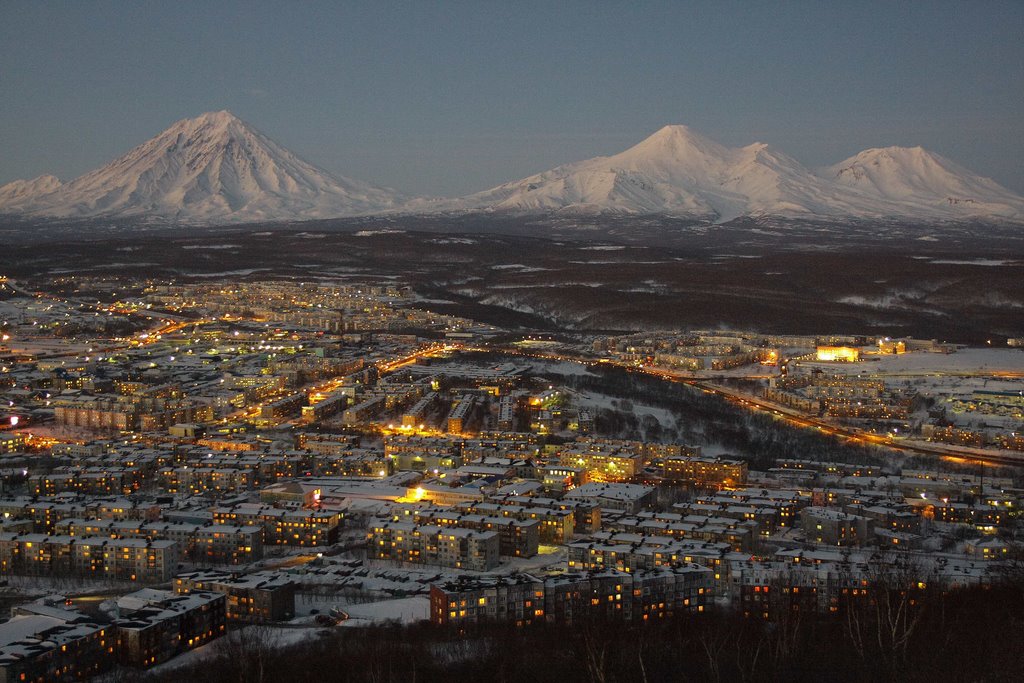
x=676 y=171
x=213 y=168
x=21 y=192
x=925 y=184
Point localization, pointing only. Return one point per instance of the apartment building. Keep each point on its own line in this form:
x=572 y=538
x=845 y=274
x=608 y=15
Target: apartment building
x=570 y=598
x=125 y=559
x=429 y=544
x=157 y=625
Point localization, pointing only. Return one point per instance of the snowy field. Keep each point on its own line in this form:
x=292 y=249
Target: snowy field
x=562 y=367
x=965 y=361
x=212 y=246
x=404 y=610
x=44 y=347
x=589 y=399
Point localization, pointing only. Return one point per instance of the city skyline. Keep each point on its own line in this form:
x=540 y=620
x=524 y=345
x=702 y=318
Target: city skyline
x=456 y=98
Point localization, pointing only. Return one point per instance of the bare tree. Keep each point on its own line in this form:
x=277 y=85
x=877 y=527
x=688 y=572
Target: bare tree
x=243 y=655
x=883 y=609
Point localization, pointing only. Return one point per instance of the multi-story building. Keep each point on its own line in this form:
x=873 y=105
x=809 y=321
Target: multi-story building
x=633 y=552
x=201 y=480
x=11 y=442
x=460 y=414
x=705 y=471
x=429 y=544
x=129 y=413
x=47 y=644
x=283 y=526
x=364 y=410
x=423 y=453
x=203 y=543
x=558 y=478
x=125 y=559
x=517 y=537
x=586 y=514
x=835 y=527
x=570 y=598
x=95 y=481
x=625 y=497
x=263 y=596
x=603 y=463
x=328 y=405
x=158 y=625
x=506 y=413
x=282 y=407
x=740 y=534
x=554 y=527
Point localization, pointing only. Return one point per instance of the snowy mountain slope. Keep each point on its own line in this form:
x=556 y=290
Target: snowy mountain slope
x=213 y=168
x=21 y=192
x=924 y=183
x=217 y=169
x=661 y=174
x=676 y=171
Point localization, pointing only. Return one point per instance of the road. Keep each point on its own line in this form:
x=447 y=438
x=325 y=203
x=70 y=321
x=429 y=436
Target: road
x=287 y=562
x=428 y=352
x=800 y=419
x=794 y=417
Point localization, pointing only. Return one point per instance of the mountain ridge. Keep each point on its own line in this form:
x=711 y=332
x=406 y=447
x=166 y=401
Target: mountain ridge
x=215 y=168
x=676 y=171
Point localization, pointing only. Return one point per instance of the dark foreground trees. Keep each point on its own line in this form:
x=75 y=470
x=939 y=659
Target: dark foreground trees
x=965 y=635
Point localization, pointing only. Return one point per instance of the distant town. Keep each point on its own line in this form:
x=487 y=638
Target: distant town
x=180 y=460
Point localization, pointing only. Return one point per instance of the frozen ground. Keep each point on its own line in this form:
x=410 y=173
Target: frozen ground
x=975 y=262
x=211 y=246
x=562 y=367
x=404 y=610
x=589 y=399
x=964 y=361
x=42 y=346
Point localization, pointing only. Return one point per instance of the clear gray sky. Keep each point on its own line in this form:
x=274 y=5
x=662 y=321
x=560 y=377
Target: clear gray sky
x=448 y=98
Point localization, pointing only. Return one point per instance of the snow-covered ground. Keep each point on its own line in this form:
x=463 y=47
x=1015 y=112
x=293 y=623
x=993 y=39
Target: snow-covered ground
x=984 y=262
x=589 y=399
x=42 y=347
x=562 y=367
x=966 y=361
x=452 y=240
x=212 y=246
x=403 y=610
x=518 y=267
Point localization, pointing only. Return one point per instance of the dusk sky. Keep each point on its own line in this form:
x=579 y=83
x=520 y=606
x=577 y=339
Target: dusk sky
x=448 y=98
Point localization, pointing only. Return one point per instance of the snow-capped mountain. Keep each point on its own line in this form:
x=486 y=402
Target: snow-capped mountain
x=676 y=171
x=217 y=169
x=213 y=168
x=925 y=183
